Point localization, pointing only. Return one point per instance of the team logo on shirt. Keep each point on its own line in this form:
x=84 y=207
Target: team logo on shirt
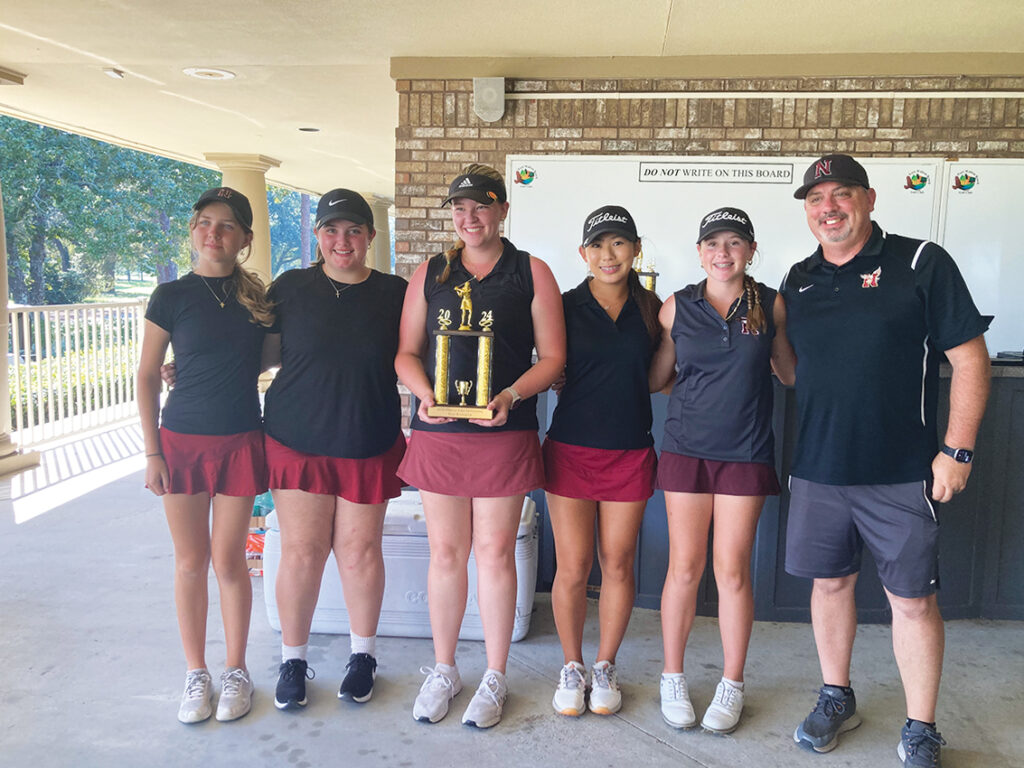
x=871 y=279
x=745 y=329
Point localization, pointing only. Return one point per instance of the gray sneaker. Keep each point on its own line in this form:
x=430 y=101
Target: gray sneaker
x=197 y=700
x=485 y=707
x=920 y=746
x=835 y=713
x=235 y=694
x=676 y=708
x=435 y=695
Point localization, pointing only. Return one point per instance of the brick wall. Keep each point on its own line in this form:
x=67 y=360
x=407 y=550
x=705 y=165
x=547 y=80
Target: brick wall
x=438 y=133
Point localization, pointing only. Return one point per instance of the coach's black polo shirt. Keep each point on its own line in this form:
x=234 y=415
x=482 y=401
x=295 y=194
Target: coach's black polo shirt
x=866 y=335
x=606 y=401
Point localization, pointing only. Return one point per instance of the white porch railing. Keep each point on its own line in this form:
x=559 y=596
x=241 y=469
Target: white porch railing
x=72 y=368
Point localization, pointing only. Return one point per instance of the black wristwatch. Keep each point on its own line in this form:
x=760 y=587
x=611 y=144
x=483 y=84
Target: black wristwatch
x=960 y=455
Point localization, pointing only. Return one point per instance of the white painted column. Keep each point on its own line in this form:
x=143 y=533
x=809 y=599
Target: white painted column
x=247 y=174
x=381 y=256
x=12 y=461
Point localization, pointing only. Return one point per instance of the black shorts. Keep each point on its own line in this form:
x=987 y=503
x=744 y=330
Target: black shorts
x=829 y=525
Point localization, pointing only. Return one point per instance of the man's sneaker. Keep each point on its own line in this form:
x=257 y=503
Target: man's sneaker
x=605 y=696
x=435 y=695
x=485 y=707
x=835 y=713
x=358 y=683
x=197 y=700
x=920 y=746
x=676 y=709
x=291 y=684
x=572 y=686
x=235 y=694
x=723 y=714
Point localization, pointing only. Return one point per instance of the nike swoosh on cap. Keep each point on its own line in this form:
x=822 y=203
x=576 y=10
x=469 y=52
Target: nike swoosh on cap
x=335 y=202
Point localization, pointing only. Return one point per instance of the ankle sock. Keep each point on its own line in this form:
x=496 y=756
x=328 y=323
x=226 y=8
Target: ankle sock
x=360 y=644
x=911 y=720
x=737 y=684
x=293 y=652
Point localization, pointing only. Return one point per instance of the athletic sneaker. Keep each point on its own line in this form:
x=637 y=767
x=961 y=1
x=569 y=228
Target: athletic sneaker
x=291 y=684
x=435 y=694
x=571 y=688
x=485 y=707
x=723 y=714
x=835 y=713
x=358 y=683
x=197 y=700
x=605 y=696
x=676 y=709
x=920 y=746
x=235 y=694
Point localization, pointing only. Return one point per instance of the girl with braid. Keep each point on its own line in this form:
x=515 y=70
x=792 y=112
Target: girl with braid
x=722 y=338
x=473 y=474
x=601 y=470
x=206 y=448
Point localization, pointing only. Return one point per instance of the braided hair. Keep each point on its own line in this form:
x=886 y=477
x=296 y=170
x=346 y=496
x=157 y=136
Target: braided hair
x=756 y=320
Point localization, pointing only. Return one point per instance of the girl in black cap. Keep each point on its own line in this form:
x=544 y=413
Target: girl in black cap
x=473 y=474
x=334 y=438
x=721 y=338
x=208 y=449
x=601 y=469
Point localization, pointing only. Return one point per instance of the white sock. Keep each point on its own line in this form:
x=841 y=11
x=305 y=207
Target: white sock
x=293 y=652
x=672 y=676
x=734 y=683
x=362 y=644
x=496 y=673
x=448 y=670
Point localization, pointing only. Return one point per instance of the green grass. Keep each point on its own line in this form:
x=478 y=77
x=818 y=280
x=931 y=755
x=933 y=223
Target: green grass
x=125 y=289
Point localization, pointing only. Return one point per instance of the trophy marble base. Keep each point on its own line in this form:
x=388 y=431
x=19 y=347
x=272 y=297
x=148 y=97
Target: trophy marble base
x=460 y=412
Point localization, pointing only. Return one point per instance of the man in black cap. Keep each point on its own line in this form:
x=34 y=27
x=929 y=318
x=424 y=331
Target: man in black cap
x=869 y=315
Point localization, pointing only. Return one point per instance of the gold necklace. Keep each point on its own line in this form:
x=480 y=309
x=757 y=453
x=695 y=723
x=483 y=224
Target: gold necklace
x=734 y=308
x=213 y=293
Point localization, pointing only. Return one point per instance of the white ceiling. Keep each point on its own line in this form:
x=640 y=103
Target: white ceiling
x=327 y=63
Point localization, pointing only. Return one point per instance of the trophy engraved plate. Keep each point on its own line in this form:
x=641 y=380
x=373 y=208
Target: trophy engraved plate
x=447 y=388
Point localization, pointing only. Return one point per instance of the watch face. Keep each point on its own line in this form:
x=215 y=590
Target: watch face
x=963 y=456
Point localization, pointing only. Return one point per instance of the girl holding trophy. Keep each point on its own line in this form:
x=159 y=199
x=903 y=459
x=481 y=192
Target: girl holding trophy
x=474 y=463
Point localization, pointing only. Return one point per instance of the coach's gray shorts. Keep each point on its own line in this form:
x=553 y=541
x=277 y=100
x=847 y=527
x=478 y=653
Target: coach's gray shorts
x=830 y=524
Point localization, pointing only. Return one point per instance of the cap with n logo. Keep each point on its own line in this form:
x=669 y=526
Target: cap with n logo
x=841 y=169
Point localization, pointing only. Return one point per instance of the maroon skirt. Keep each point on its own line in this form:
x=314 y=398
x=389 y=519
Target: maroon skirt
x=232 y=465
x=361 y=481
x=599 y=474
x=477 y=465
x=685 y=474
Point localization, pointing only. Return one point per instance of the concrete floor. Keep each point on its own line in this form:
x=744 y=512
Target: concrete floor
x=92 y=672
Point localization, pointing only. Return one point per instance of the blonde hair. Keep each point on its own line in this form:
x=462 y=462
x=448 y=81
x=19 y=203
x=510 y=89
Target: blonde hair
x=477 y=169
x=249 y=288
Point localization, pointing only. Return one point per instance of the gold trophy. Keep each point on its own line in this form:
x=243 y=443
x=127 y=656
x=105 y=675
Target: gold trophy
x=648 y=277
x=442 y=362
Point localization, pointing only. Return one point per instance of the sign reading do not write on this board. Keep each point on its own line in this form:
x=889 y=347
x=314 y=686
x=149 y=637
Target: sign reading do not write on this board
x=551 y=195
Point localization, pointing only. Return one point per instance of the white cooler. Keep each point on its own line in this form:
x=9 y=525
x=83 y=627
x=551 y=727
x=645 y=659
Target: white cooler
x=406 y=557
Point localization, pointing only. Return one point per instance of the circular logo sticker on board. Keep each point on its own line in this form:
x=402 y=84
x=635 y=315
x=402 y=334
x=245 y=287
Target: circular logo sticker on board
x=965 y=181
x=916 y=181
x=525 y=175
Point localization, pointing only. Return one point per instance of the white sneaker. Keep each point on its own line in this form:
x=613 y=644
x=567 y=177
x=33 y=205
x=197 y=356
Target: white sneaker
x=235 y=694
x=605 y=696
x=723 y=714
x=676 y=708
x=197 y=700
x=572 y=685
x=485 y=707
x=435 y=695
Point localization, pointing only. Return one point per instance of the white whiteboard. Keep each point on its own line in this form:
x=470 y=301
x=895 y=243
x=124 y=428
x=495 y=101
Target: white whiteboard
x=551 y=195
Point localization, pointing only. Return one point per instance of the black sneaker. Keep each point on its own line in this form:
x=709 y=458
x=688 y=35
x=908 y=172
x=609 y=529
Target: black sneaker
x=291 y=684
x=920 y=746
x=358 y=683
x=835 y=713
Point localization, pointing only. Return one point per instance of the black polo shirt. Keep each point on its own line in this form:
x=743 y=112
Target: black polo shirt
x=217 y=354
x=336 y=393
x=606 y=401
x=507 y=293
x=867 y=337
x=721 y=403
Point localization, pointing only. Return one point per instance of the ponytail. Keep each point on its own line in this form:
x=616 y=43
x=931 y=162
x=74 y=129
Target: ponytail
x=252 y=295
x=449 y=257
x=648 y=302
x=756 y=320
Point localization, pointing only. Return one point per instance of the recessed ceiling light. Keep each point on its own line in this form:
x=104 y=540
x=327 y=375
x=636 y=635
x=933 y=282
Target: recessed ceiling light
x=310 y=129
x=209 y=73
x=114 y=74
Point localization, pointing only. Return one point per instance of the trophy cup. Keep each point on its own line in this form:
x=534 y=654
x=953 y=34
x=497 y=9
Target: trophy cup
x=465 y=334
x=648 y=277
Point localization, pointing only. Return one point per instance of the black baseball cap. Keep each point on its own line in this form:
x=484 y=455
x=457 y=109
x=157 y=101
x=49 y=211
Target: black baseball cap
x=842 y=169
x=235 y=200
x=609 y=218
x=343 y=204
x=482 y=189
x=726 y=220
